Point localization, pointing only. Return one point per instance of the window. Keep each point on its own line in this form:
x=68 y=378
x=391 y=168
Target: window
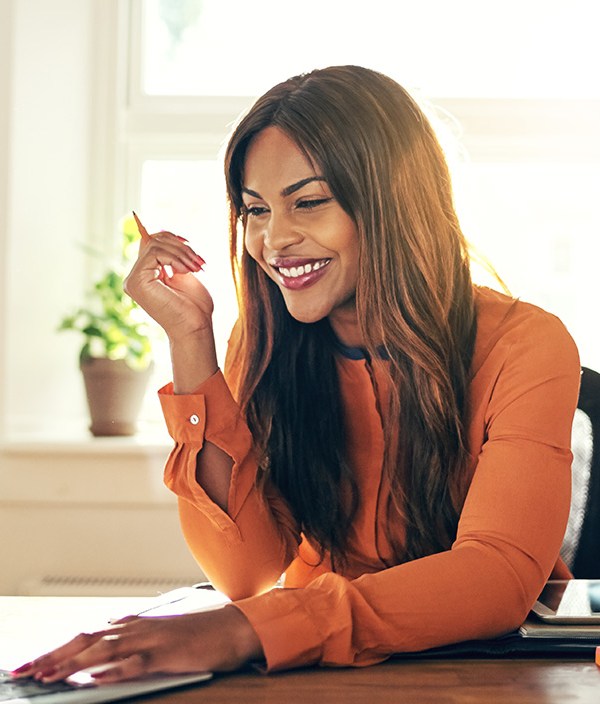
x=519 y=114
x=464 y=48
x=138 y=101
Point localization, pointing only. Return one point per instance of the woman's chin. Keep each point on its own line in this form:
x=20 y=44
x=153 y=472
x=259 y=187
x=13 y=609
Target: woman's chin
x=306 y=317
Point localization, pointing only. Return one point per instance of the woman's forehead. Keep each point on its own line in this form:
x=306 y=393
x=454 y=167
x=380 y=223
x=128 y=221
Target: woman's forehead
x=274 y=157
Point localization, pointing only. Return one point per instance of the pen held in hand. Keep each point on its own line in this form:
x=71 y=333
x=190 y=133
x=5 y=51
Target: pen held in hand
x=141 y=229
x=165 y=270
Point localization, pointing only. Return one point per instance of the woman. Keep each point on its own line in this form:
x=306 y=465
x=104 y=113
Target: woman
x=399 y=440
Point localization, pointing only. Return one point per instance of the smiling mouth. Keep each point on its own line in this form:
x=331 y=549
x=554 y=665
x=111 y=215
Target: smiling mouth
x=300 y=273
x=294 y=272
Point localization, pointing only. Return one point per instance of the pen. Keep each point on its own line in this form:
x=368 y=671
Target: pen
x=141 y=229
x=170 y=597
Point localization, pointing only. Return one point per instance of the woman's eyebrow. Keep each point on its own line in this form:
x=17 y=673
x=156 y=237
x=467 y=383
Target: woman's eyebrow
x=288 y=190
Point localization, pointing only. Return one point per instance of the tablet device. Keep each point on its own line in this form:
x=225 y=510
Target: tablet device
x=574 y=601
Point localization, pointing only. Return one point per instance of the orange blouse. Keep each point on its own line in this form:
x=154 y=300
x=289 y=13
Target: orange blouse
x=523 y=394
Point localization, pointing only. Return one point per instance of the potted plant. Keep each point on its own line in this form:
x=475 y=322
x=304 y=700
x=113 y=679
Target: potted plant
x=116 y=357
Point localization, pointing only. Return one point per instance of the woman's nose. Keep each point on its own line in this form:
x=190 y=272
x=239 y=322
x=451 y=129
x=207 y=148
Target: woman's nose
x=280 y=232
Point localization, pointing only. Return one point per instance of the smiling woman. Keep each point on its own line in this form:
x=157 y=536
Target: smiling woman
x=388 y=435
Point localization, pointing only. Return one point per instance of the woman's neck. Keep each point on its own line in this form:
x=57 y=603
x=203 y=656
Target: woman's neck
x=344 y=323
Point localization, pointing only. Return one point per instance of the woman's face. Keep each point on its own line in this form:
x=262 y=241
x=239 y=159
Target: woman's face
x=299 y=234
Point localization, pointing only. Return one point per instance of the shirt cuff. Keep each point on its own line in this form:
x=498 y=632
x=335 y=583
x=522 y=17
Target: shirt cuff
x=275 y=616
x=186 y=414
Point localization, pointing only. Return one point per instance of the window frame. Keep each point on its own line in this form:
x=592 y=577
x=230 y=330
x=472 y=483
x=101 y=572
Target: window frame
x=488 y=130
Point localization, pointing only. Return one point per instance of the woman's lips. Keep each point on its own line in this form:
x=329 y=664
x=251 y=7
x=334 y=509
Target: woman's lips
x=297 y=273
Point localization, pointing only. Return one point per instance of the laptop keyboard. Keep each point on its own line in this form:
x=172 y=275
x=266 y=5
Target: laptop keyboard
x=22 y=688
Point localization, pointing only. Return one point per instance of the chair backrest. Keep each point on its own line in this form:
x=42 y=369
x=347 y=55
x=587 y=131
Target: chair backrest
x=581 y=547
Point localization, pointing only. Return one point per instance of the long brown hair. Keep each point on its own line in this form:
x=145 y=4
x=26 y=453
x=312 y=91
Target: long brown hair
x=414 y=300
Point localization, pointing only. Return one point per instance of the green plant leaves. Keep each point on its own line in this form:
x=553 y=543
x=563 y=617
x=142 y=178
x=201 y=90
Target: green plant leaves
x=112 y=324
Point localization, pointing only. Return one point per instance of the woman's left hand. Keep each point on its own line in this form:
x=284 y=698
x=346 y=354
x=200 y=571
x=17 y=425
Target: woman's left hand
x=219 y=640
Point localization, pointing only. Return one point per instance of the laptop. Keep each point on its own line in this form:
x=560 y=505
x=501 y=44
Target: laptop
x=85 y=691
x=81 y=687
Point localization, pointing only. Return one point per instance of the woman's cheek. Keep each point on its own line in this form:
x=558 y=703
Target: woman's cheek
x=251 y=244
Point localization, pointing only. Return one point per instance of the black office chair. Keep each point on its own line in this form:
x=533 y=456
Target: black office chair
x=581 y=547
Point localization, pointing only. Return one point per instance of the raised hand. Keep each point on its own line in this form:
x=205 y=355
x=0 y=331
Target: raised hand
x=163 y=283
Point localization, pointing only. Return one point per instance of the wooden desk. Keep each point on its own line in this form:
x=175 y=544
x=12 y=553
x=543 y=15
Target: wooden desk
x=52 y=620
x=412 y=682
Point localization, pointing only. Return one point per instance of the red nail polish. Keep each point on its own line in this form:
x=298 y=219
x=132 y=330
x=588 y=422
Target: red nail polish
x=21 y=670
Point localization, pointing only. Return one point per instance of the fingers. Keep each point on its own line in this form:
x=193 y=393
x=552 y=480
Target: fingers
x=135 y=665
x=167 y=249
x=100 y=649
x=45 y=665
x=109 y=648
x=162 y=257
x=118 y=647
x=172 y=254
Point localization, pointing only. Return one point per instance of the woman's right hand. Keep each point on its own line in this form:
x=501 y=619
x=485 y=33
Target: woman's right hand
x=163 y=283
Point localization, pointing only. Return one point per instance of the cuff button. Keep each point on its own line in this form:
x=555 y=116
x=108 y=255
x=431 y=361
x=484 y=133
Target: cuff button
x=194 y=420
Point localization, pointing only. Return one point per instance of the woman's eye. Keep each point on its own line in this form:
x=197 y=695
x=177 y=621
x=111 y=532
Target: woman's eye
x=254 y=211
x=312 y=203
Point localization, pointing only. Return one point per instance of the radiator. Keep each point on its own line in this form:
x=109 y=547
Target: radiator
x=79 y=585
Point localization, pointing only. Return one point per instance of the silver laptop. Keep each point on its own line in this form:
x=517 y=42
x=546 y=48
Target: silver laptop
x=29 y=691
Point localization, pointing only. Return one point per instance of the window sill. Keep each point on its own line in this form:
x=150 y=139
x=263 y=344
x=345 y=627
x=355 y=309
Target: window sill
x=148 y=441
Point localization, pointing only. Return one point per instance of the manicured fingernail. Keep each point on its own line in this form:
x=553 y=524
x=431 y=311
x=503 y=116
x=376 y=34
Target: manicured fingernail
x=22 y=670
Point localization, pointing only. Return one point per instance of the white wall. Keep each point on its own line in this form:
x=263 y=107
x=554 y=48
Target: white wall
x=70 y=505
x=5 y=89
x=48 y=201
x=83 y=511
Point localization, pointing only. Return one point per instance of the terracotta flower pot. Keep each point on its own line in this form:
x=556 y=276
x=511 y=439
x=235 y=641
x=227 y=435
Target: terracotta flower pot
x=115 y=393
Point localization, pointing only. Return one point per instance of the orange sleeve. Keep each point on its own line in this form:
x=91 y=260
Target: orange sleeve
x=509 y=534
x=245 y=550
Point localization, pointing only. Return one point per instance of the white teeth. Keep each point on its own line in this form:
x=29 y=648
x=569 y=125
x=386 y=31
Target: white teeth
x=295 y=271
